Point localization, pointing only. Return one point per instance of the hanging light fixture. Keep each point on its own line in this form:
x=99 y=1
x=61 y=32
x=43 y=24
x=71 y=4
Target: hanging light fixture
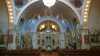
x=49 y=3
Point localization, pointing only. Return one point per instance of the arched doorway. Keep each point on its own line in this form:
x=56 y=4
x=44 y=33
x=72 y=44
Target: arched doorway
x=48 y=26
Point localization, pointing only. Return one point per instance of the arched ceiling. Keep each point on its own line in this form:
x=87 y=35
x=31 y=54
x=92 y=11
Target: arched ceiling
x=38 y=8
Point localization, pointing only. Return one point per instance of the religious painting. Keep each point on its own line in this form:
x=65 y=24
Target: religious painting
x=77 y=3
x=27 y=41
x=10 y=38
x=1 y=39
x=95 y=38
x=20 y=3
x=17 y=41
x=87 y=39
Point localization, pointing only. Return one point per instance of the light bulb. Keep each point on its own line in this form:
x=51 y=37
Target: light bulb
x=85 y=13
x=8 y=2
x=53 y=26
x=85 y=20
x=11 y=21
x=42 y=26
x=88 y=2
x=10 y=13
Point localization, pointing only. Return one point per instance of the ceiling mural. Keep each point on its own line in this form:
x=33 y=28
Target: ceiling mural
x=46 y=24
x=29 y=13
x=76 y=3
x=39 y=8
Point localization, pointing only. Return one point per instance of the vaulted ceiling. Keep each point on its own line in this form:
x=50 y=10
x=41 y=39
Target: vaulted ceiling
x=38 y=8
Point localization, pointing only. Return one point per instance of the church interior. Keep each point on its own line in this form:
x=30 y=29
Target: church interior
x=49 y=28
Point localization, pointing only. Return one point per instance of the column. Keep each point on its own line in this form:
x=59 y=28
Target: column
x=34 y=40
x=14 y=41
x=82 y=42
x=66 y=36
x=61 y=40
x=84 y=45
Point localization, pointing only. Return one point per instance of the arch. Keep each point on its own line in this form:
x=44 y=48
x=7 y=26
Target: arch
x=73 y=8
x=51 y=19
x=46 y=23
x=65 y=2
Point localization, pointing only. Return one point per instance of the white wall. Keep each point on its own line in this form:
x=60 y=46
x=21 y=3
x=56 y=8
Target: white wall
x=94 y=19
x=3 y=16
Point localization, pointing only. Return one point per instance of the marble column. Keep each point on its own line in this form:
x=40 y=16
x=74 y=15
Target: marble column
x=34 y=40
x=61 y=40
